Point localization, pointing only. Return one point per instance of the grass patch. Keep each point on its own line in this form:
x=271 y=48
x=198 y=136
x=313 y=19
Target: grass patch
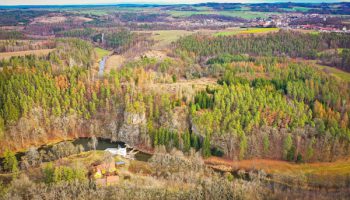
x=336 y=72
x=101 y=52
x=166 y=37
x=231 y=13
x=245 y=31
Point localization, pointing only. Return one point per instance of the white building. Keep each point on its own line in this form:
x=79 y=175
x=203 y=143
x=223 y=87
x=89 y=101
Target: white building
x=117 y=151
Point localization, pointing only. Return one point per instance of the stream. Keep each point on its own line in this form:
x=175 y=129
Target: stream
x=102 y=66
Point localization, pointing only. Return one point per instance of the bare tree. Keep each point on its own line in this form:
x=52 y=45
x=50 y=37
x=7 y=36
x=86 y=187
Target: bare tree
x=93 y=143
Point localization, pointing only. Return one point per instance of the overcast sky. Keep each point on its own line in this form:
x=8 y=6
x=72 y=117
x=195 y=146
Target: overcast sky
x=65 y=2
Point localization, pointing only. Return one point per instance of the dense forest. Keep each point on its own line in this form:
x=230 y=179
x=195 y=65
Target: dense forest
x=256 y=97
x=283 y=43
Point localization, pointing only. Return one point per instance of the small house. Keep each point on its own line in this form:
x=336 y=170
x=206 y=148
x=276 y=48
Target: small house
x=104 y=169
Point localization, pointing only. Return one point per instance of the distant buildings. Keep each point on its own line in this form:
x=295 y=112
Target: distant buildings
x=319 y=22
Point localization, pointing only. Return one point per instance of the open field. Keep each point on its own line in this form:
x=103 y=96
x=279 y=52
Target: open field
x=230 y=13
x=40 y=52
x=184 y=85
x=238 y=31
x=166 y=37
x=331 y=174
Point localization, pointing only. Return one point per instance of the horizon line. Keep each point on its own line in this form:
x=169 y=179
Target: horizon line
x=164 y=4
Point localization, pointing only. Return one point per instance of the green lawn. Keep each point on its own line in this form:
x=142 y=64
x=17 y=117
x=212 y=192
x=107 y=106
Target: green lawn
x=231 y=13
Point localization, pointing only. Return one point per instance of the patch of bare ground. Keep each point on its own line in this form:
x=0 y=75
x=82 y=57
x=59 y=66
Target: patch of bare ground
x=82 y=19
x=49 y=19
x=52 y=19
x=158 y=54
x=183 y=84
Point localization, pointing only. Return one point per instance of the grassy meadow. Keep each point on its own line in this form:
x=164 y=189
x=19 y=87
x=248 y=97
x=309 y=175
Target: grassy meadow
x=238 y=31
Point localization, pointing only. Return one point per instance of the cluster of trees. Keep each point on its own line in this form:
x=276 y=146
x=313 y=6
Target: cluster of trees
x=79 y=33
x=41 y=95
x=293 y=44
x=184 y=141
x=297 y=99
x=204 y=100
x=10 y=163
x=228 y=58
x=74 y=52
x=35 y=157
x=13 y=17
x=11 y=35
x=120 y=41
x=339 y=58
x=54 y=175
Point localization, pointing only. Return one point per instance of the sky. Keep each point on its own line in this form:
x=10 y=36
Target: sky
x=70 y=2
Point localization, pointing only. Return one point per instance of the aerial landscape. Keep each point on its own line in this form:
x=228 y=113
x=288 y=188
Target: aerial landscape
x=157 y=100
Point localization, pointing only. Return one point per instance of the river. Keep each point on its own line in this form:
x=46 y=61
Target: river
x=106 y=143
x=101 y=145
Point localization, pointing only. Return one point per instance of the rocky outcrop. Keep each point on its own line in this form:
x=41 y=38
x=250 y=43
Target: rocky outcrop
x=134 y=124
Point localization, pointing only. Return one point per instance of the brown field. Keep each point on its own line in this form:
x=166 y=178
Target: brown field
x=184 y=88
x=273 y=166
x=50 y=19
x=320 y=174
x=82 y=19
x=158 y=54
x=59 y=19
x=40 y=52
x=184 y=85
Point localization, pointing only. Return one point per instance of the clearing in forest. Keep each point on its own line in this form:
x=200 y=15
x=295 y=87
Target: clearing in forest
x=164 y=38
x=39 y=52
x=184 y=85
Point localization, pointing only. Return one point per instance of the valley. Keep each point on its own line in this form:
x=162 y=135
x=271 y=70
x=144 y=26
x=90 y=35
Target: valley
x=200 y=101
